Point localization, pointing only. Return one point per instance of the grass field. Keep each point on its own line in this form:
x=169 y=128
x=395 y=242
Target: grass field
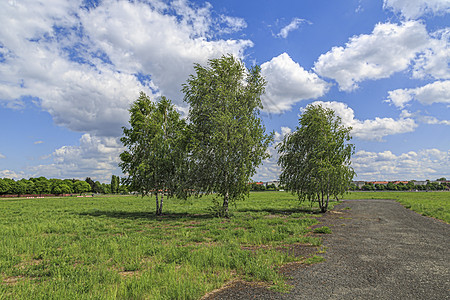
x=431 y=204
x=116 y=248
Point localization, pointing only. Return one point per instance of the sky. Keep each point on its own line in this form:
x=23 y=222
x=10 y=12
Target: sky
x=69 y=71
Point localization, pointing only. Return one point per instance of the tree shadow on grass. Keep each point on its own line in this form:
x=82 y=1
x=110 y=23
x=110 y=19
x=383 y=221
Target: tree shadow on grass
x=134 y=215
x=290 y=211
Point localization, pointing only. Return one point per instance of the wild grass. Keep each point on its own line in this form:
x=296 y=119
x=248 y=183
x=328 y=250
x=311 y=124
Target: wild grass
x=323 y=230
x=431 y=204
x=117 y=248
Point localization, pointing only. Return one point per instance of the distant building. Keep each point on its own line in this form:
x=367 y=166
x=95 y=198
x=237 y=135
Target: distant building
x=359 y=184
x=404 y=182
x=379 y=182
x=420 y=182
x=276 y=183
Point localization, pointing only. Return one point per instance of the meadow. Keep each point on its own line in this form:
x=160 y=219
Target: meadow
x=431 y=204
x=116 y=248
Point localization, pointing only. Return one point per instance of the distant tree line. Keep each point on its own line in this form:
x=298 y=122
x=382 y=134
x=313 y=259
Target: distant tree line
x=437 y=185
x=259 y=186
x=44 y=186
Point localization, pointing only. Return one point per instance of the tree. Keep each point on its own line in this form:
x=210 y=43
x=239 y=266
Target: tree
x=368 y=187
x=391 y=186
x=98 y=188
x=380 y=187
x=106 y=188
x=20 y=187
x=6 y=186
x=81 y=187
x=91 y=183
x=228 y=139
x=156 y=158
x=42 y=185
x=353 y=187
x=115 y=184
x=315 y=159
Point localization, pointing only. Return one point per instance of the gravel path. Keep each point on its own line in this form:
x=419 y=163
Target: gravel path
x=378 y=250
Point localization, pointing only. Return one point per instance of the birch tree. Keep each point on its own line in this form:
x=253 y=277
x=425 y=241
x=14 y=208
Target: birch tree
x=228 y=139
x=315 y=159
x=155 y=159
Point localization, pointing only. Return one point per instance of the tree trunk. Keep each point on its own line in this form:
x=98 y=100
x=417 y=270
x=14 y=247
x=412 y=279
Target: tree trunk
x=157 y=203
x=225 y=204
x=161 y=203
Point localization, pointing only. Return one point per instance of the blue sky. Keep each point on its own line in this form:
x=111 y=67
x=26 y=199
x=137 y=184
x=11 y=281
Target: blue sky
x=69 y=71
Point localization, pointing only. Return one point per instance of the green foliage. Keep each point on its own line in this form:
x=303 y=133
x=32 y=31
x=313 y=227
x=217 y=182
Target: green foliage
x=81 y=187
x=315 y=259
x=112 y=248
x=115 y=183
x=323 y=230
x=91 y=183
x=368 y=187
x=315 y=159
x=156 y=155
x=432 y=204
x=228 y=139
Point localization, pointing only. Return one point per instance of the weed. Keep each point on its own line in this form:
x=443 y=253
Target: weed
x=323 y=230
x=314 y=259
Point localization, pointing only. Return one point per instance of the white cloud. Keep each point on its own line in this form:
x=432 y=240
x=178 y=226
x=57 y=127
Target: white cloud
x=279 y=136
x=294 y=25
x=96 y=157
x=413 y=9
x=139 y=39
x=434 y=61
x=2 y=156
x=421 y=165
x=233 y=24
x=434 y=121
x=374 y=129
x=12 y=174
x=38 y=142
x=423 y=118
x=390 y=48
x=436 y=92
x=288 y=83
x=87 y=65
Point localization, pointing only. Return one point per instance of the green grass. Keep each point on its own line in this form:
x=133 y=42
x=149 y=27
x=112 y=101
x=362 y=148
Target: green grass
x=116 y=248
x=323 y=230
x=431 y=204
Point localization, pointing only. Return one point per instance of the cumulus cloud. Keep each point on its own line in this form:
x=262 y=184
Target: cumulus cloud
x=433 y=62
x=2 y=156
x=288 y=83
x=12 y=174
x=436 y=92
x=420 y=165
x=96 y=156
x=86 y=65
x=417 y=8
x=374 y=129
x=423 y=118
x=233 y=24
x=390 y=48
x=294 y=25
x=434 y=121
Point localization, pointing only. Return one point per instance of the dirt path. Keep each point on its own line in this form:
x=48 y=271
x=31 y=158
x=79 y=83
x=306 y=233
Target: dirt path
x=378 y=250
